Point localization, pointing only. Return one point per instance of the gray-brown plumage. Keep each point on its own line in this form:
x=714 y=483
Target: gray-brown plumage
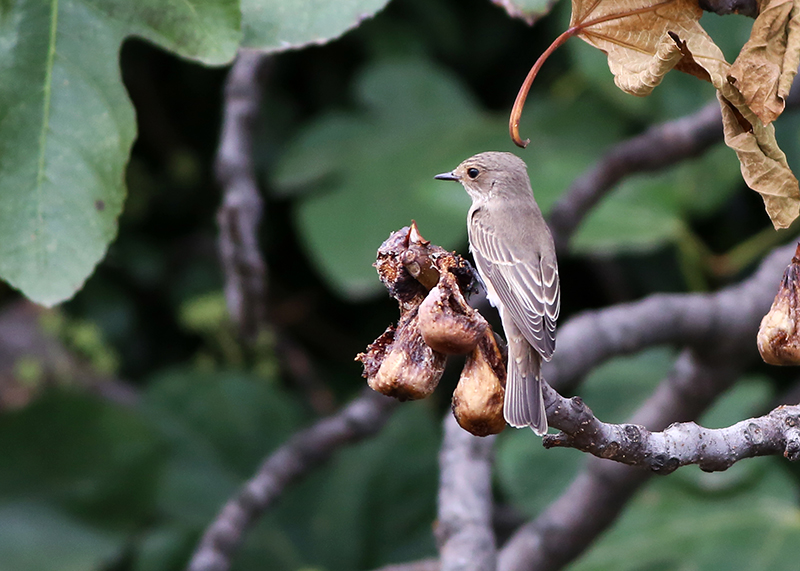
x=515 y=257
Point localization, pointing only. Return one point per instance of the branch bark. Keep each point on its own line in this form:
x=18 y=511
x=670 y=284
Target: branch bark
x=464 y=529
x=240 y=213
x=306 y=450
x=680 y=444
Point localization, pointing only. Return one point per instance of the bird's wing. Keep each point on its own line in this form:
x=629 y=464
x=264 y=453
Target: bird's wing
x=525 y=284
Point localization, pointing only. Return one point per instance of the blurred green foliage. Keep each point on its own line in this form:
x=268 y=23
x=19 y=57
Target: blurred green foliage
x=349 y=138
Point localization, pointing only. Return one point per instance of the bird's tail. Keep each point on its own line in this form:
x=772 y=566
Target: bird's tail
x=524 y=404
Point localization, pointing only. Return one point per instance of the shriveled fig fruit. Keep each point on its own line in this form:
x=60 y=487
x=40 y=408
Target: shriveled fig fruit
x=447 y=323
x=478 y=398
x=404 y=367
x=779 y=334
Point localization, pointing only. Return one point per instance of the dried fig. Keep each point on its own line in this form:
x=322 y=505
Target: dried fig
x=406 y=368
x=447 y=323
x=478 y=398
x=779 y=336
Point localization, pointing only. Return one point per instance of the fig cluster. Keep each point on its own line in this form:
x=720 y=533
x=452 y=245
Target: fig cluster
x=430 y=285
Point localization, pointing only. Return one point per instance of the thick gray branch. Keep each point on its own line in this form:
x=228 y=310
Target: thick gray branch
x=464 y=531
x=682 y=443
x=723 y=321
x=304 y=451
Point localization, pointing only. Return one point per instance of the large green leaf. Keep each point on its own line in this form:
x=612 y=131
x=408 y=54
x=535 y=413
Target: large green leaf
x=370 y=172
x=671 y=527
x=374 y=170
x=67 y=125
x=36 y=537
x=276 y=25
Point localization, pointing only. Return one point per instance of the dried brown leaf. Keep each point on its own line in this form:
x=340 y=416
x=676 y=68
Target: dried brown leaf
x=763 y=164
x=664 y=35
x=765 y=68
x=645 y=39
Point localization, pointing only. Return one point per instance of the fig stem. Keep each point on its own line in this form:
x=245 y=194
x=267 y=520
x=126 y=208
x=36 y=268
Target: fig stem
x=522 y=94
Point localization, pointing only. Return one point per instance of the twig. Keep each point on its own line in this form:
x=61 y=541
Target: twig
x=657 y=148
x=464 y=530
x=680 y=444
x=305 y=451
x=240 y=213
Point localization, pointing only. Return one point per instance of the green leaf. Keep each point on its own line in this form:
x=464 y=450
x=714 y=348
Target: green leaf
x=99 y=460
x=219 y=427
x=670 y=527
x=374 y=169
x=276 y=25
x=67 y=125
x=37 y=536
x=363 y=174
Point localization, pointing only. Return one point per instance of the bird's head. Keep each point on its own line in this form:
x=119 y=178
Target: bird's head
x=491 y=174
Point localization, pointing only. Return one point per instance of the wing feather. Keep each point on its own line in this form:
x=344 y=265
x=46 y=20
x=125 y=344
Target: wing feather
x=526 y=284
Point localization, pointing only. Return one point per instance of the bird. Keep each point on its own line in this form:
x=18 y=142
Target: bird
x=515 y=257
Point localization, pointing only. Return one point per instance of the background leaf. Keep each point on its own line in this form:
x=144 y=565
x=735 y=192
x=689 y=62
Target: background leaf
x=36 y=536
x=276 y=25
x=66 y=125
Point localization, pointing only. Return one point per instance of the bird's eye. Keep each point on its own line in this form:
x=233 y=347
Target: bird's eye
x=473 y=172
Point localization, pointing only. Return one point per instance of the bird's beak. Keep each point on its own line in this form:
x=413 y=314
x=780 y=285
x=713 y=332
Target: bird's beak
x=446 y=176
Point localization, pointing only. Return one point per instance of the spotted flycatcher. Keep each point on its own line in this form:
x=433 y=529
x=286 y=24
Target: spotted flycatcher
x=516 y=259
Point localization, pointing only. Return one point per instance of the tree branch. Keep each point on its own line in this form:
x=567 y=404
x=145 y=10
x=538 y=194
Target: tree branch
x=464 y=530
x=599 y=493
x=683 y=443
x=240 y=213
x=724 y=320
x=306 y=450
x=659 y=147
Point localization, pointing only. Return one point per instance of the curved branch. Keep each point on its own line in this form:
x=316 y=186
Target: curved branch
x=659 y=147
x=306 y=450
x=464 y=530
x=599 y=493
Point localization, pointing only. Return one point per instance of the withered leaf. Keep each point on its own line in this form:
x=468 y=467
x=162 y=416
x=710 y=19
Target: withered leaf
x=763 y=164
x=764 y=70
x=643 y=39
